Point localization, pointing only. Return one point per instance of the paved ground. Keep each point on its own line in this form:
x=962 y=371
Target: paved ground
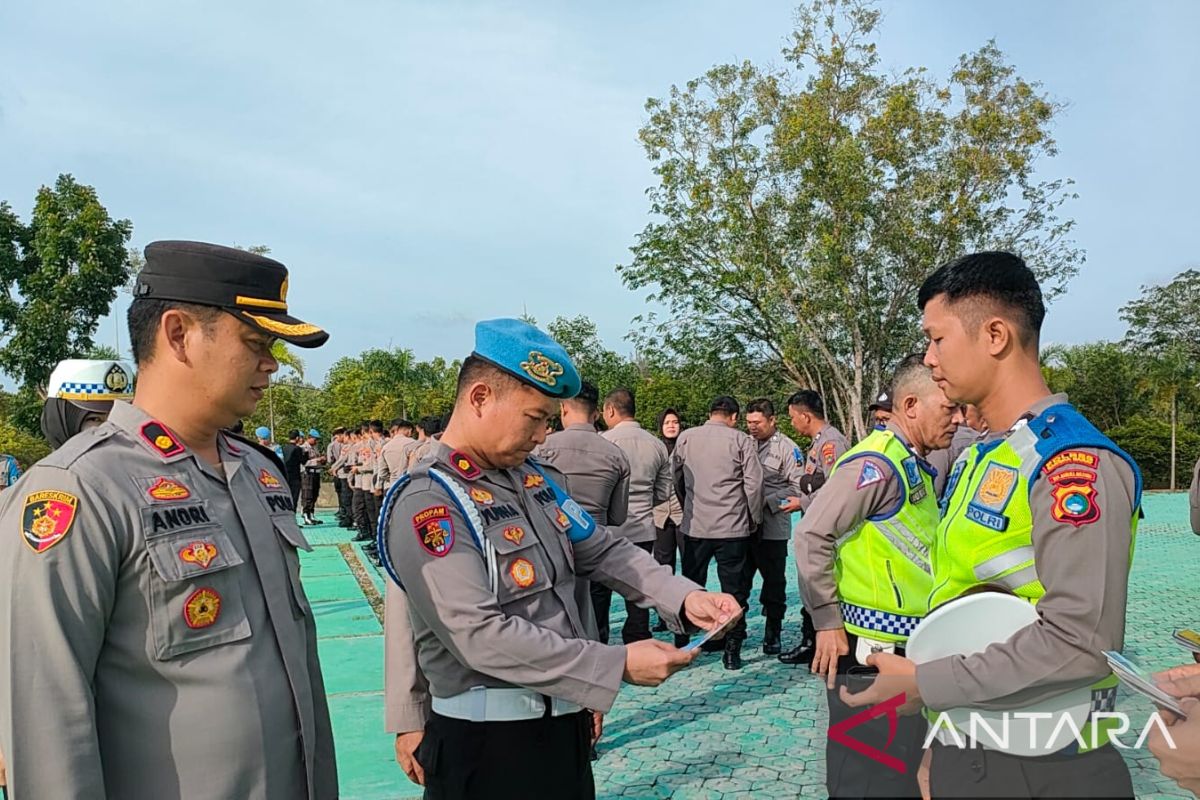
x=708 y=733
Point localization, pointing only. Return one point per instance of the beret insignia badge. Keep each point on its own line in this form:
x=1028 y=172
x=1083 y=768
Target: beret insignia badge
x=542 y=369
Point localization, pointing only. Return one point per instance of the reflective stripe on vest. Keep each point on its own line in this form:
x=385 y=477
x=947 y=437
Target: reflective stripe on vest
x=986 y=534
x=883 y=568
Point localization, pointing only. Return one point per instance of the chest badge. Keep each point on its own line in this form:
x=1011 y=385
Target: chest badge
x=482 y=496
x=200 y=553
x=522 y=573
x=169 y=489
x=533 y=481
x=514 y=533
x=268 y=481
x=202 y=608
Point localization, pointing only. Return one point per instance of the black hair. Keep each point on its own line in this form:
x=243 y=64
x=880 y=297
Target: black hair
x=724 y=405
x=810 y=401
x=293 y=435
x=475 y=369
x=762 y=405
x=143 y=318
x=995 y=275
x=338 y=431
x=622 y=402
x=430 y=425
x=588 y=398
x=376 y=425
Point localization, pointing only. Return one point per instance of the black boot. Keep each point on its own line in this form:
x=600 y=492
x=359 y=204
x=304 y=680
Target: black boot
x=771 y=638
x=681 y=639
x=732 y=659
x=800 y=654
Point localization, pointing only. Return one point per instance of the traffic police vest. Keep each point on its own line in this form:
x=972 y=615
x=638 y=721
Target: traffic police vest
x=985 y=536
x=883 y=570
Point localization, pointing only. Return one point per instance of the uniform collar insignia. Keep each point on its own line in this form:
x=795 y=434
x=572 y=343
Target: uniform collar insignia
x=463 y=465
x=161 y=440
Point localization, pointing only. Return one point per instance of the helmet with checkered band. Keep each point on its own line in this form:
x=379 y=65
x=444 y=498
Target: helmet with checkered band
x=91 y=383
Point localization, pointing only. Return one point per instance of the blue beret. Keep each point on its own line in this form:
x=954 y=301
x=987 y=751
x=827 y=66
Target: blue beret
x=314 y=433
x=528 y=354
x=263 y=432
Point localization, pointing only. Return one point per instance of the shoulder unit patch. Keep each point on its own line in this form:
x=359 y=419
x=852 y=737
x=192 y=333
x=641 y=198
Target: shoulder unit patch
x=435 y=530
x=868 y=475
x=47 y=519
x=1073 y=491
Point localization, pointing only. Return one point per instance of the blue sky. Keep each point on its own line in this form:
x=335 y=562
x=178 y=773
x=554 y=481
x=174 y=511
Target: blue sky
x=420 y=166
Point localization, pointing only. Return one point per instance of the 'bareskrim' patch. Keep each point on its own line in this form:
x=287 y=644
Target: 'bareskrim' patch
x=47 y=519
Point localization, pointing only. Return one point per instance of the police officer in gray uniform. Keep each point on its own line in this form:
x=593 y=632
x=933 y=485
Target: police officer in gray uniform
x=719 y=479
x=597 y=476
x=783 y=465
x=806 y=410
x=155 y=640
x=487 y=547
x=649 y=485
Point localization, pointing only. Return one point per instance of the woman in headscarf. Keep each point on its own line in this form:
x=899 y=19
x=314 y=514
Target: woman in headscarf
x=669 y=514
x=80 y=394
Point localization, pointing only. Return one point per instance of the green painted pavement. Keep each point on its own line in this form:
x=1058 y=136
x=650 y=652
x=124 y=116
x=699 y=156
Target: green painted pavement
x=710 y=733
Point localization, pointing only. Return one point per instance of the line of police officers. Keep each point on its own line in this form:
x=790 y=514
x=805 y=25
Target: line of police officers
x=156 y=639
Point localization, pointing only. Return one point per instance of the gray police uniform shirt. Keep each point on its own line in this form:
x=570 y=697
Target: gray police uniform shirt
x=530 y=632
x=649 y=478
x=391 y=463
x=827 y=447
x=720 y=480
x=782 y=466
x=1085 y=570
x=596 y=470
x=155 y=640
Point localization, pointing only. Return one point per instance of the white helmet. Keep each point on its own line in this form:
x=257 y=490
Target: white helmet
x=91 y=383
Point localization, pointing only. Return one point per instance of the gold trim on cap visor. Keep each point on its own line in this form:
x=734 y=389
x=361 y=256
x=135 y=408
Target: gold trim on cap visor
x=94 y=396
x=258 y=302
x=283 y=328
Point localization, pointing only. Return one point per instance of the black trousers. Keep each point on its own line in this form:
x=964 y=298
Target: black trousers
x=769 y=558
x=669 y=541
x=637 y=620
x=373 y=502
x=309 y=489
x=730 y=555
x=342 y=488
x=540 y=758
x=852 y=774
x=294 y=488
x=358 y=508
x=957 y=772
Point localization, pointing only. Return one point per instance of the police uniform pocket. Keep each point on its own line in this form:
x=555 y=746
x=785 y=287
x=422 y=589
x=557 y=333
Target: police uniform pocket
x=520 y=563
x=292 y=540
x=195 y=594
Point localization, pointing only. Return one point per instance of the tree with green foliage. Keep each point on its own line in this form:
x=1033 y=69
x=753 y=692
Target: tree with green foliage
x=1164 y=331
x=383 y=384
x=797 y=211
x=59 y=275
x=1103 y=379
